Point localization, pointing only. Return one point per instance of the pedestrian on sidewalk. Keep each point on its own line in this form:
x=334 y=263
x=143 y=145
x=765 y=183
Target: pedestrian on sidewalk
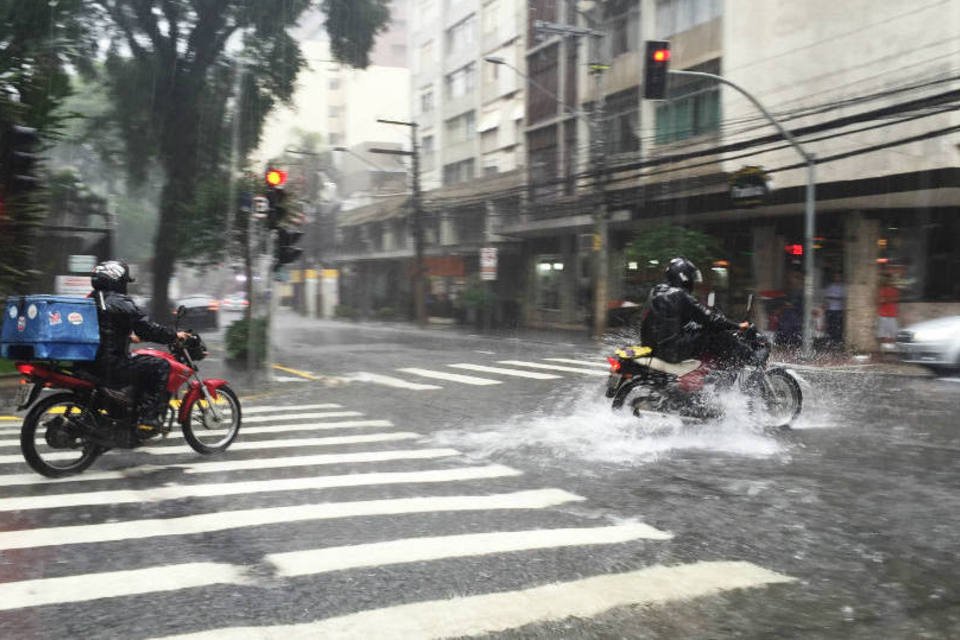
x=888 y=303
x=835 y=297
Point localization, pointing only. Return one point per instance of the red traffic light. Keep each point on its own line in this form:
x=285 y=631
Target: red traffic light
x=794 y=249
x=661 y=55
x=276 y=177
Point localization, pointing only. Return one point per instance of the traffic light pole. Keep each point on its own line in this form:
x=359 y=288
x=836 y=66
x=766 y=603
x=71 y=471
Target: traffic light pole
x=809 y=206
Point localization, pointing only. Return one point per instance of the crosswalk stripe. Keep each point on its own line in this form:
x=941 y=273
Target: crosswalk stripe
x=450 y=377
x=498 y=612
x=324 y=458
x=225 y=520
x=301 y=416
x=296 y=407
x=313 y=561
x=599 y=362
x=389 y=381
x=553 y=367
x=506 y=372
x=319 y=442
x=92 y=586
x=178 y=492
x=176 y=434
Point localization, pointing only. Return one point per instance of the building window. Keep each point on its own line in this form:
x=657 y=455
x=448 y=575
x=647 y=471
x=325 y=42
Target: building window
x=426 y=101
x=462 y=36
x=461 y=128
x=549 y=282
x=334 y=111
x=426 y=152
x=692 y=107
x=425 y=56
x=462 y=81
x=542 y=147
x=457 y=172
x=623 y=25
x=491 y=17
x=622 y=116
x=542 y=90
x=336 y=139
x=334 y=84
x=676 y=16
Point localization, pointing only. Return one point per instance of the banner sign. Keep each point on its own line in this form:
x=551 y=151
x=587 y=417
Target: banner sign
x=748 y=186
x=488 y=263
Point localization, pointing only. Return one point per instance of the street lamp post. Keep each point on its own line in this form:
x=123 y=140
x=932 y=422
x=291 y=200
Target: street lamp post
x=809 y=205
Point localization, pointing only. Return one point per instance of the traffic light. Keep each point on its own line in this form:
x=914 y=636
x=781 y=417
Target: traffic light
x=286 y=251
x=276 y=198
x=656 y=67
x=275 y=178
x=20 y=160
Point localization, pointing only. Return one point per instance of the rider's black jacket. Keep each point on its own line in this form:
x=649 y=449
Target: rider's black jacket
x=118 y=316
x=670 y=310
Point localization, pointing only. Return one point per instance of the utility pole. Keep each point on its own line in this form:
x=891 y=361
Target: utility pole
x=601 y=252
x=419 y=272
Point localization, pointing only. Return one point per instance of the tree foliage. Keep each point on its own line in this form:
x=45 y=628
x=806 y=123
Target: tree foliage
x=661 y=243
x=353 y=26
x=39 y=42
x=171 y=79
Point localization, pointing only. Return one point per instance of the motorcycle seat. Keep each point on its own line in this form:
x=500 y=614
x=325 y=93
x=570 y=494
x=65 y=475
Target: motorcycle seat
x=678 y=369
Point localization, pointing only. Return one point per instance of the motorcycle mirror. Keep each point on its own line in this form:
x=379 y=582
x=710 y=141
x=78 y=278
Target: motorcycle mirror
x=711 y=298
x=749 y=304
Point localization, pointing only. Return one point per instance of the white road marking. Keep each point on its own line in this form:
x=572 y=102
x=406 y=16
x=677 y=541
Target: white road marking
x=324 y=458
x=301 y=416
x=178 y=492
x=323 y=442
x=112 y=584
x=599 y=362
x=320 y=426
x=498 y=612
x=225 y=520
x=388 y=381
x=378 y=554
x=506 y=372
x=553 y=367
x=277 y=378
x=295 y=407
x=450 y=377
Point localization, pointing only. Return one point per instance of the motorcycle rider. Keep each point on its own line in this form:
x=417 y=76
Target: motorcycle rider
x=119 y=317
x=678 y=327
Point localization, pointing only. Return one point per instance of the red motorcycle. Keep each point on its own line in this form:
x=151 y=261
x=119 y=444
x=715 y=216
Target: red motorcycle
x=65 y=432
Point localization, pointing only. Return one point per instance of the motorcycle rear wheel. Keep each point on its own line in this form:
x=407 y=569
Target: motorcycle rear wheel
x=783 y=400
x=201 y=430
x=35 y=440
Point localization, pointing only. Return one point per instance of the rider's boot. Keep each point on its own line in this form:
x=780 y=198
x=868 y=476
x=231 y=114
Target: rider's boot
x=151 y=422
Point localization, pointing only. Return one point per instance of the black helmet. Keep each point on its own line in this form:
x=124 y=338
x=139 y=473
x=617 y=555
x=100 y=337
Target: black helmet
x=111 y=275
x=681 y=272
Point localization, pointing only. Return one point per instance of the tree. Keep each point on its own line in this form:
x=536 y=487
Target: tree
x=353 y=26
x=170 y=76
x=657 y=245
x=39 y=42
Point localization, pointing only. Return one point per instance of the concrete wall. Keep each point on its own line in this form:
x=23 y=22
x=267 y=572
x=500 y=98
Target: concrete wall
x=792 y=55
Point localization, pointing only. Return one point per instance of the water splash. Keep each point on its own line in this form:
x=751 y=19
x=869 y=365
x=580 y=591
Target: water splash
x=583 y=428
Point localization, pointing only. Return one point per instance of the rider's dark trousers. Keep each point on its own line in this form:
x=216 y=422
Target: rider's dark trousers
x=722 y=345
x=146 y=373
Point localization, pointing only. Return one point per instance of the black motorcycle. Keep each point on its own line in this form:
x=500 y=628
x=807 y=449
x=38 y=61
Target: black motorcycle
x=692 y=389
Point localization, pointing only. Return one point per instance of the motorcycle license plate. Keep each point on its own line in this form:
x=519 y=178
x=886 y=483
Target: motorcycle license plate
x=612 y=383
x=23 y=394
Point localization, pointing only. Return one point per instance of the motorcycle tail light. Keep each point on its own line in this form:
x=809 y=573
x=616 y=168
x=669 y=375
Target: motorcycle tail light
x=26 y=369
x=614 y=364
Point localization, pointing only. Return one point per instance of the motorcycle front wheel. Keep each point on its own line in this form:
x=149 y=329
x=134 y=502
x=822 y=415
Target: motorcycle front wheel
x=207 y=432
x=782 y=399
x=51 y=439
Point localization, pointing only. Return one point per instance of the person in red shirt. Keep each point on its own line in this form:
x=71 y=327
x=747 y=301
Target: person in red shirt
x=888 y=299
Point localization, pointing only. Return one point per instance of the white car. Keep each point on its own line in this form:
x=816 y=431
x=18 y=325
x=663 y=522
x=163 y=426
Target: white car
x=234 y=302
x=934 y=344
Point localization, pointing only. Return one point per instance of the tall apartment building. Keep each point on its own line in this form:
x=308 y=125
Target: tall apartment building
x=470 y=111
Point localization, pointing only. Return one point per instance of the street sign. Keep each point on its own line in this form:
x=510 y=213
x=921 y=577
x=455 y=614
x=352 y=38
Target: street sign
x=72 y=285
x=488 y=263
x=79 y=263
x=748 y=186
x=261 y=207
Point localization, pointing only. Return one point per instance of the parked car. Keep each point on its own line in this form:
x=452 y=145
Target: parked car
x=934 y=344
x=202 y=312
x=235 y=302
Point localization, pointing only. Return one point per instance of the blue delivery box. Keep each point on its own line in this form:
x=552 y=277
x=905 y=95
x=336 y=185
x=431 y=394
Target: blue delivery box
x=45 y=327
